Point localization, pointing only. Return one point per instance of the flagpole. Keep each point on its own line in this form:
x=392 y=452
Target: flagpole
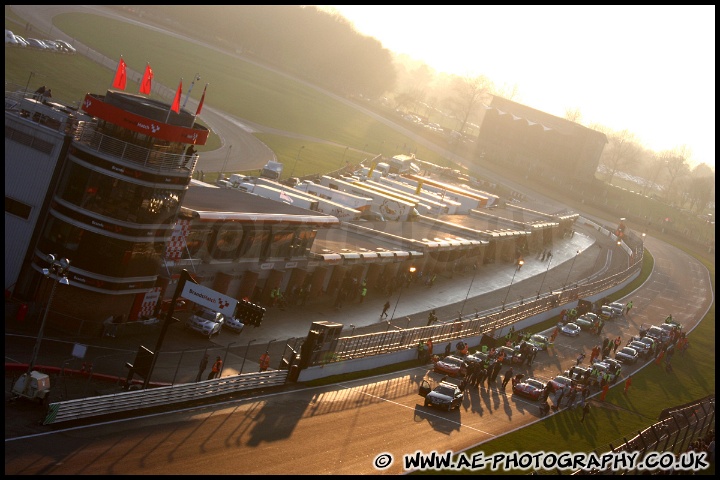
x=200 y=105
x=178 y=93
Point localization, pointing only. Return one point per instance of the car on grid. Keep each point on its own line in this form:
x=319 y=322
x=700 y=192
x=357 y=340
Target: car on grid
x=650 y=342
x=581 y=375
x=607 y=313
x=452 y=366
x=570 y=329
x=512 y=355
x=478 y=358
x=564 y=381
x=642 y=348
x=656 y=333
x=445 y=396
x=627 y=355
x=538 y=341
x=618 y=308
x=531 y=388
x=587 y=322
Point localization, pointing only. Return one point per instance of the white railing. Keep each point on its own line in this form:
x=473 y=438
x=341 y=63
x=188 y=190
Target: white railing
x=162 y=396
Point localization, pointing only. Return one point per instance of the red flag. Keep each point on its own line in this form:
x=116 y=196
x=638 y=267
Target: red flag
x=146 y=84
x=120 y=76
x=176 y=103
x=202 y=100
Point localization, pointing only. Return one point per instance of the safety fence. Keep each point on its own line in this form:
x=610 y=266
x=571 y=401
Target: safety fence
x=139 y=400
x=677 y=431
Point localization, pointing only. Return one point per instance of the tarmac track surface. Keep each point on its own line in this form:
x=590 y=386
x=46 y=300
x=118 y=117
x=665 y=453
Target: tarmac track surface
x=340 y=429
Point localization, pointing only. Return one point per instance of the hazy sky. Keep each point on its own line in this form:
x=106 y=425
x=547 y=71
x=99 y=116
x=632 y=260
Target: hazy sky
x=647 y=69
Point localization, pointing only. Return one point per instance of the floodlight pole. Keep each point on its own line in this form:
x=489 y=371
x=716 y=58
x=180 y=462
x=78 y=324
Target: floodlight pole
x=184 y=278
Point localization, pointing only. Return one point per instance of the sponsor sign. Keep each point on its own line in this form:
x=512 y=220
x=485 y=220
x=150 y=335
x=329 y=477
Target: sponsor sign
x=209 y=298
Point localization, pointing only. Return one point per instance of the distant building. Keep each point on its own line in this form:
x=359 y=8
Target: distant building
x=535 y=142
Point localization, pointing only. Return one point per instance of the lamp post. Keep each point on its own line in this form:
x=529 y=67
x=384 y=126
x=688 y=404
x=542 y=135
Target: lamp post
x=297 y=157
x=353 y=330
x=342 y=160
x=517 y=269
x=462 y=307
x=58 y=269
x=412 y=270
x=227 y=157
x=543 y=279
x=569 y=271
x=246 y=354
x=227 y=350
x=32 y=74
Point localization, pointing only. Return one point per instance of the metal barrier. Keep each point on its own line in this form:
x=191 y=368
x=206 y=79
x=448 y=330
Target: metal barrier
x=162 y=396
x=675 y=432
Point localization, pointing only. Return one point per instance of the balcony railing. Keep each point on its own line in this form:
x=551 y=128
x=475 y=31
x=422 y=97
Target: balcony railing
x=149 y=158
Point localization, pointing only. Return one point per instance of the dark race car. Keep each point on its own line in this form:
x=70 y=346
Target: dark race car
x=445 y=396
x=627 y=355
x=642 y=348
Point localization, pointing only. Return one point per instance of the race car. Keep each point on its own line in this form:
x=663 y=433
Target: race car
x=445 y=396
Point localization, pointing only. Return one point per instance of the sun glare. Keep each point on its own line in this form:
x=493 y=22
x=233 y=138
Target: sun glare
x=649 y=71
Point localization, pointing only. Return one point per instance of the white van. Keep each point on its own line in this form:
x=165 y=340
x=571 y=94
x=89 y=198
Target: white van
x=10 y=38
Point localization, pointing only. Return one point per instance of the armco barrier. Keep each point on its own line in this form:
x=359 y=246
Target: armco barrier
x=162 y=396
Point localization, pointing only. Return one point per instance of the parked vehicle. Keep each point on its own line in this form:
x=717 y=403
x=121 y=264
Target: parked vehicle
x=452 y=366
x=561 y=381
x=445 y=396
x=618 y=308
x=10 y=38
x=587 y=322
x=581 y=375
x=538 y=341
x=272 y=170
x=21 y=41
x=656 y=333
x=671 y=327
x=627 y=355
x=570 y=329
x=511 y=355
x=36 y=44
x=643 y=349
x=207 y=322
x=531 y=388
x=66 y=46
x=233 y=324
x=38 y=388
x=479 y=358
x=607 y=313
x=651 y=344
x=52 y=45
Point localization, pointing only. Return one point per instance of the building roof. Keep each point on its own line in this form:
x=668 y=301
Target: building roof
x=532 y=117
x=234 y=205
